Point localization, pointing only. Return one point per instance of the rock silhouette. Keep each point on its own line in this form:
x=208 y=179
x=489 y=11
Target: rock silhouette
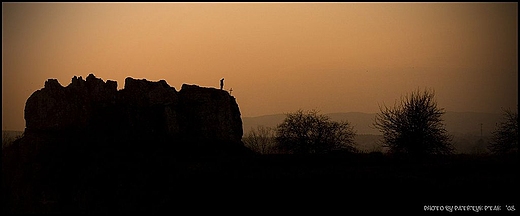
x=141 y=108
x=88 y=144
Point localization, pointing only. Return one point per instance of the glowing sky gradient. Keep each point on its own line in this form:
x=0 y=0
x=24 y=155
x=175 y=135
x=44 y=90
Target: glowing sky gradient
x=277 y=57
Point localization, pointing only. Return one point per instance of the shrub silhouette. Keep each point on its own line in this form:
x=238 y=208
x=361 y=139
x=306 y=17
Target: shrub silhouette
x=505 y=136
x=260 y=140
x=414 y=127
x=309 y=132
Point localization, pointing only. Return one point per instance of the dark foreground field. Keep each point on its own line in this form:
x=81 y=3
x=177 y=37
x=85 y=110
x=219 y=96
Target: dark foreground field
x=270 y=184
x=380 y=182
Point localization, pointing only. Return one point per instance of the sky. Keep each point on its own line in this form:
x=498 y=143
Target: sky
x=277 y=57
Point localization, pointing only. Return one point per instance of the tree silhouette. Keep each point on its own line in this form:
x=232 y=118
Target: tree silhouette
x=309 y=132
x=414 y=127
x=505 y=136
x=260 y=139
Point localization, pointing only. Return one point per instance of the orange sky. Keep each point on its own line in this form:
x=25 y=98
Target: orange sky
x=277 y=57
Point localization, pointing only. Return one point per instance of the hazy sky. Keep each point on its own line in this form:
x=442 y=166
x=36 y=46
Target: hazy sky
x=277 y=57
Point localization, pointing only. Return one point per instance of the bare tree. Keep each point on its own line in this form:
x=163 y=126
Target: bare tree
x=309 y=132
x=414 y=126
x=505 y=136
x=261 y=139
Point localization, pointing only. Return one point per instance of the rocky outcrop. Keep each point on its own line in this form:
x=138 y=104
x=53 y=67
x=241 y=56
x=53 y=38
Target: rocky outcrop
x=91 y=148
x=58 y=108
x=143 y=108
x=209 y=113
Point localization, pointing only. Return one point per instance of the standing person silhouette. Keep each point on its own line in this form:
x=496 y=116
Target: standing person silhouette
x=221 y=83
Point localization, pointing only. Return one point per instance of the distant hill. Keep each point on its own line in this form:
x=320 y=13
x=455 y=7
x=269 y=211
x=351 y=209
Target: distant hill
x=469 y=122
x=10 y=133
x=456 y=122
